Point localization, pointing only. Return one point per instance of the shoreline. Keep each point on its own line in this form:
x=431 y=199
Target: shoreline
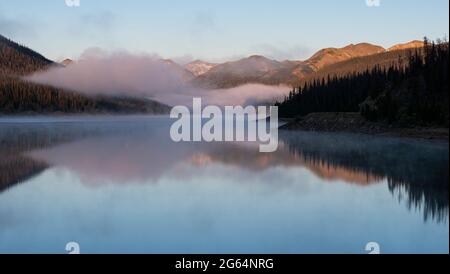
x=355 y=123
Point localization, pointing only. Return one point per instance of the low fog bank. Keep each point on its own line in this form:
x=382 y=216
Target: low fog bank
x=124 y=74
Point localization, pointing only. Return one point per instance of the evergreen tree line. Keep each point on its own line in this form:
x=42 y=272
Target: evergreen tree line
x=407 y=94
x=16 y=59
x=19 y=96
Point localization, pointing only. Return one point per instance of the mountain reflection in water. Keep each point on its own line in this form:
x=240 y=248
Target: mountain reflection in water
x=417 y=169
x=120 y=153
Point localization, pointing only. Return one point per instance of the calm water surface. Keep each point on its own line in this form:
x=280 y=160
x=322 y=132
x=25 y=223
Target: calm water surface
x=121 y=185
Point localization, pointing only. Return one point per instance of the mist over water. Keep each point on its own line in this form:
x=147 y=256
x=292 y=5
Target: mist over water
x=119 y=184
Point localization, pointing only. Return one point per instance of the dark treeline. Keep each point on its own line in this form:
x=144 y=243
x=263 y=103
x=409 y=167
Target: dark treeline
x=16 y=59
x=411 y=93
x=18 y=96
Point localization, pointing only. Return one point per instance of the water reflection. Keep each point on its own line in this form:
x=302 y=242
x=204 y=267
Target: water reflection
x=16 y=169
x=140 y=153
x=415 y=170
x=16 y=139
x=115 y=152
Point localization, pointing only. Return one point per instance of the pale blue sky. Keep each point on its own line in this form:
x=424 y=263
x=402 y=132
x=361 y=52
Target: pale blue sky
x=215 y=29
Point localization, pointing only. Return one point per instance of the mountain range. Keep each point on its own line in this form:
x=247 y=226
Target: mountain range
x=17 y=60
x=259 y=69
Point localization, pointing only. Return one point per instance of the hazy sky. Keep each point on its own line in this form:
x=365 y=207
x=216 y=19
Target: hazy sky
x=217 y=30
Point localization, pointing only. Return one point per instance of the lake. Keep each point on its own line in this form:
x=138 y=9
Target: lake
x=120 y=185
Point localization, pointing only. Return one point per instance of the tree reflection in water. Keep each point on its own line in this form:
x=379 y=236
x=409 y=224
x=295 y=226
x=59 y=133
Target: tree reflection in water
x=416 y=171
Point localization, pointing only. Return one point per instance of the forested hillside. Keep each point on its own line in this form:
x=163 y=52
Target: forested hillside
x=16 y=59
x=408 y=93
x=18 y=96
